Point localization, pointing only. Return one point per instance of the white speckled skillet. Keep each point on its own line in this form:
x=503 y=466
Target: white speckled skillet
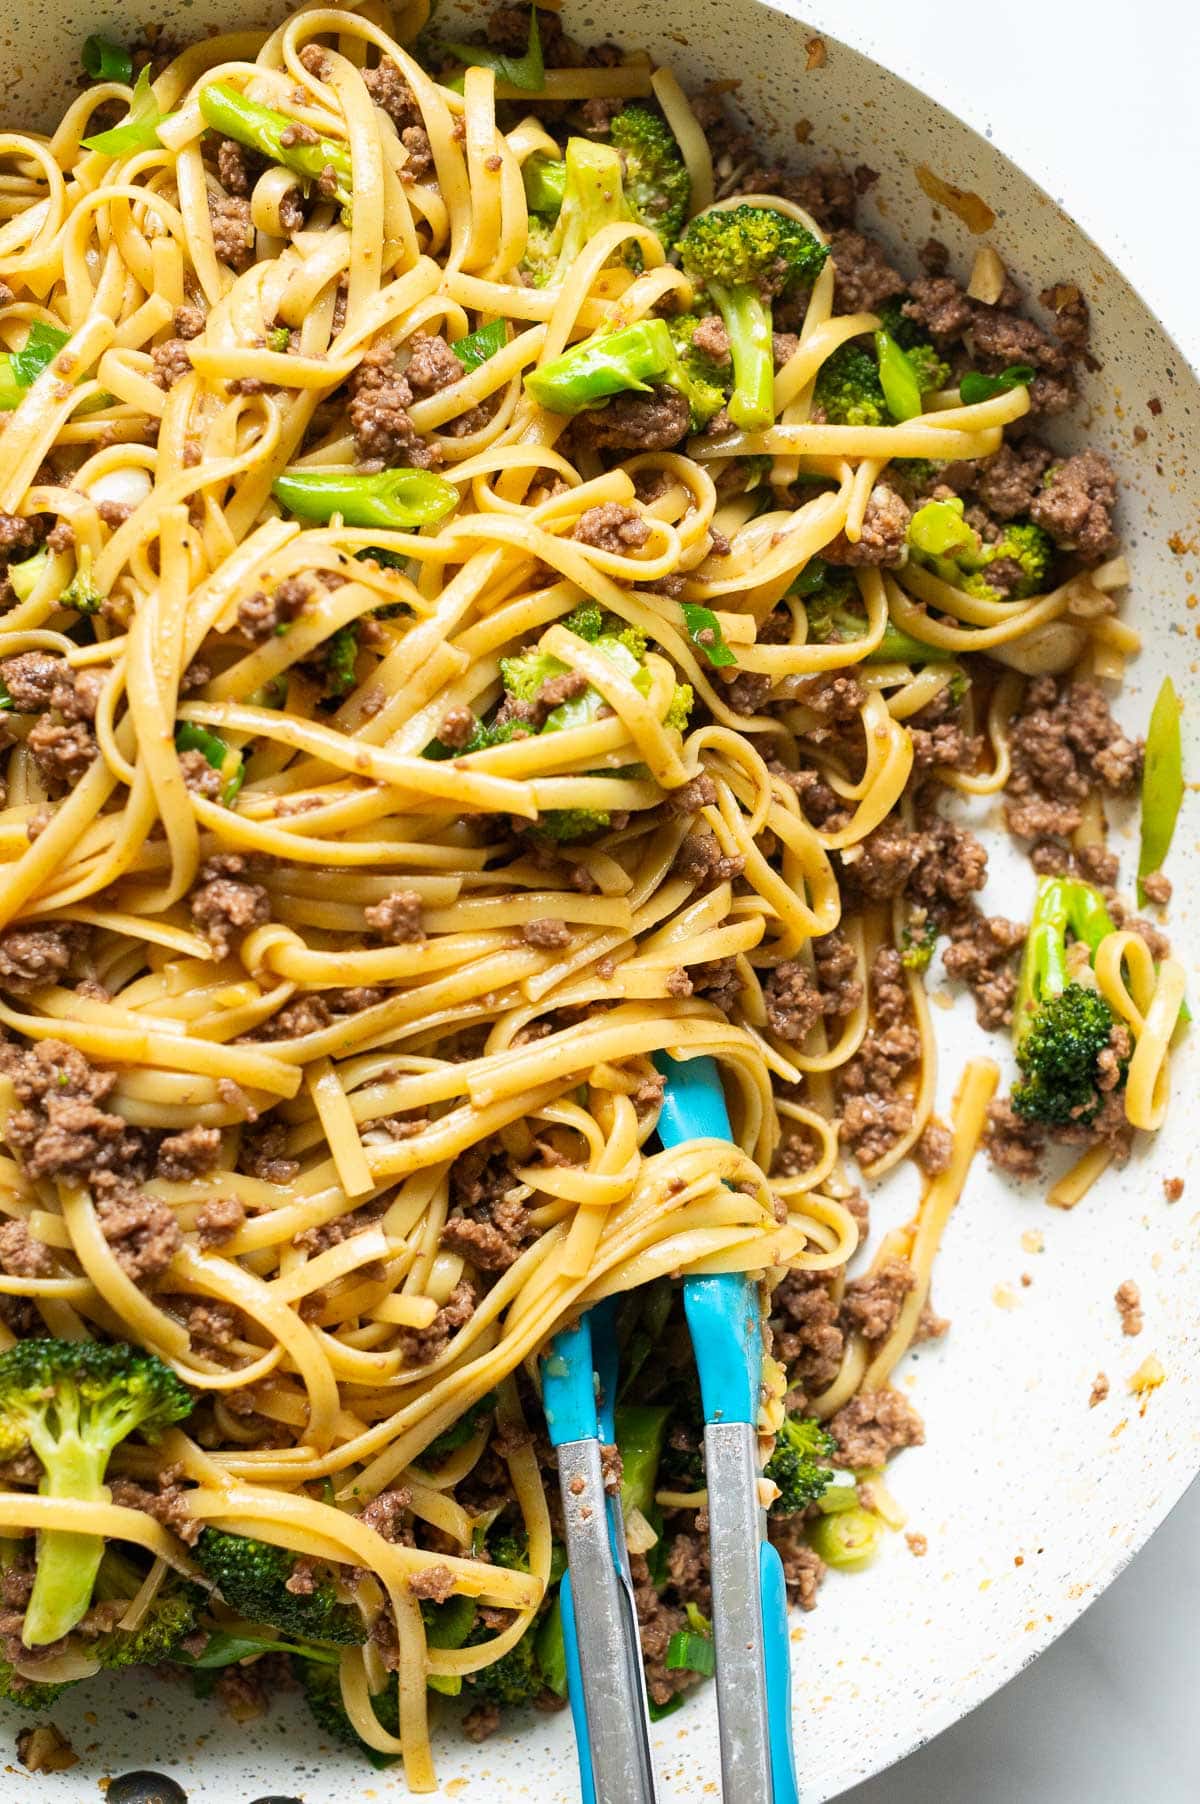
x=1030 y=1501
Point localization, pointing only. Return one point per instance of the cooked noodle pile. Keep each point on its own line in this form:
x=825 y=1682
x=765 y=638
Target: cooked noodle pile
x=330 y=1070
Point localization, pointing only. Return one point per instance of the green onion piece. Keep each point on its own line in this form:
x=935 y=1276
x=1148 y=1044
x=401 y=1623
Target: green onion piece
x=814 y=576
x=545 y=180
x=841 y=1493
x=551 y=1651
x=448 y=1683
x=261 y=128
x=527 y=72
x=396 y=500
x=848 y=1540
x=478 y=346
x=24 y=576
x=975 y=386
x=898 y=379
x=1162 y=782
x=192 y=738
x=231 y=789
x=691 y=1653
x=656 y=1712
x=704 y=631
x=105 y=61
x=340 y=660
x=6 y=700
x=611 y=363
x=139 y=128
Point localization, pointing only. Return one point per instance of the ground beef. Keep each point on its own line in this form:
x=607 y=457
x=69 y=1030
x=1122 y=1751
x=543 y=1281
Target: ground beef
x=611 y=527
x=142 y=1233
x=611 y=1468
x=690 y=797
x=223 y=904
x=885 y=861
x=418 y=1346
x=189 y=321
x=262 y=616
x=874 y=1426
x=1007 y=482
x=864 y=278
x=711 y=338
x=1014 y=1145
x=1063 y=740
x=233 y=167
x=547 y=935
x=701 y=860
x=1129 y=1306
x=884 y=532
x=746 y=692
x=380 y=398
x=939 y=306
x=21 y=1256
x=792 y=1001
x=939 y=735
x=836 y=698
x=64 y=751
x=307 y=1016
x=199 y=775
x=658 y=1620
x=872 y=1304
x=60 y=1131
x=171 y=362
x=719 y=981
x=420 y=159
x=435 y=1583
x=219 y=1220
x=807 y=1335
x=389 y=90
x=457 y=726
x=182 y=1157
x=934 y=1149
x=30 y=679
x=803 y=1569
x=980 y=954
x=653 y=422
x=388 y=1515
x=1157 y=888
x=432 y=365
x=1076 y=504
x=32 y=957
x=233 y=232
x=397 y=919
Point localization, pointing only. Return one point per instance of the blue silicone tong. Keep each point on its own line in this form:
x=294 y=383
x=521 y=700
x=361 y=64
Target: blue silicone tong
x=604 y=1667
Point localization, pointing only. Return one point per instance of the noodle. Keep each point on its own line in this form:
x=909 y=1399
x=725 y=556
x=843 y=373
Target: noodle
x=336 y=964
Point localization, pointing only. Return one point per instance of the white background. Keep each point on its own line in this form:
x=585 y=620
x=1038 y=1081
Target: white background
x=1099 y=102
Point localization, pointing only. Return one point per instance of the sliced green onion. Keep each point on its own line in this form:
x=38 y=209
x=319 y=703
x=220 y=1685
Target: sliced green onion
x=527 y=72
x=139 y=128
x=975 y=386
x=478 y=346
x=19 y=370
x=848 y=1540
x=841 y=1493
x=704 y=631
x=898 y=379
x=691 y=1653
x=1162 y=782
x=656 y=1712
x=396 y=500
x=105 y=61
x=261 y=128
x=551 y=1651
x=6 y=700
x=190 y=737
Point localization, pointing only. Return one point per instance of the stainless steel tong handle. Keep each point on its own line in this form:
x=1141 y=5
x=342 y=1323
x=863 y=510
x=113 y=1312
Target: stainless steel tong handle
x=606 y=1628
x=735 y=1536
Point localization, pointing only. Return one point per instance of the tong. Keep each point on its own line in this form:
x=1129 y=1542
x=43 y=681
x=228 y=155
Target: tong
x=605 y=1677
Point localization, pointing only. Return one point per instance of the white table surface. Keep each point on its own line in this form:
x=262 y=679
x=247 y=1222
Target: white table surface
x=1112 y=1711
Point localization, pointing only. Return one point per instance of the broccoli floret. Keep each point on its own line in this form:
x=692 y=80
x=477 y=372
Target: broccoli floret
x=515 y=1678
x=592 y=198
x=1060 y=1025
x=940 y=538
x=795 y=1465
x=679 y=710
x=170 y=1616
x=252 y=1576
x=932 y=372
x=742 y=255
x=703 y=382
x=460 y=1432
x=73 y=1403
x=322 y=1690
x=81 y=592
x=848 y=390
x=656 y=182
x=28 y=1694
x=341 y=655
x=564 y=824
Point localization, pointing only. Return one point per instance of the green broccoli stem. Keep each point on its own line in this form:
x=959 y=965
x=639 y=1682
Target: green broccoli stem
x=611 y=363
x=260 y=128
x=545 y=181
x=593 y=197
x=747 y=320
x=641 y=1430
x=67 y=1563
